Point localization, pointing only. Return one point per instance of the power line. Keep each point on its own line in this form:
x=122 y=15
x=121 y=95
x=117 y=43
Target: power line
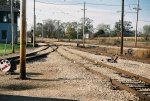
x=59 y=3
x=144 y=21
x=104 y=4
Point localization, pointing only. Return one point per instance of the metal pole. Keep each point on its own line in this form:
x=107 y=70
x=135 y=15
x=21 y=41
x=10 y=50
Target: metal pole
x=122 y=27
x=23 y=39
x=58 y=31
x=77 y=36
x=136 y=31
x=34 y=25
x=12 y=26
x=84 y=26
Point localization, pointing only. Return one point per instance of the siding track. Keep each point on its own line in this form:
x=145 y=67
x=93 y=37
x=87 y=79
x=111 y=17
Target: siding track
x=120 y=79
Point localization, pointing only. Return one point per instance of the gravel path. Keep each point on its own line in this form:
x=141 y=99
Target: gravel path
x=55 y=77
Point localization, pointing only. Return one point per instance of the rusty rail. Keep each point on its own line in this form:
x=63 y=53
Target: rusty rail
x=115 y=82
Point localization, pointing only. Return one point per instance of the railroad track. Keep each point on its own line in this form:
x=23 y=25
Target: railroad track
x=35 y=55
x=136 y=84
x=40 y=54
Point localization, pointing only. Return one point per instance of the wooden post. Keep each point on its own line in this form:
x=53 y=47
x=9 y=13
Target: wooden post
x=122 y=28
x=23 y=39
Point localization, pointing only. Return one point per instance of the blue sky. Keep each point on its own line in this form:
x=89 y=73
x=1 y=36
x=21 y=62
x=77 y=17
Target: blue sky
x=108 y=13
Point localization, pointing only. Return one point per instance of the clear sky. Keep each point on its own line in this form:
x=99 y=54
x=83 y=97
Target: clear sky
x=108 y=12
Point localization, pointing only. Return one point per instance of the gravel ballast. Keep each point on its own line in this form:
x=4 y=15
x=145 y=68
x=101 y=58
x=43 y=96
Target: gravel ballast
x=58 y=78
x=135 y=67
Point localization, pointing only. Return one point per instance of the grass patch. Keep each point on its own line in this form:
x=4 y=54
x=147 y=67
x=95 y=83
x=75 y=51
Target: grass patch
x=9 y=48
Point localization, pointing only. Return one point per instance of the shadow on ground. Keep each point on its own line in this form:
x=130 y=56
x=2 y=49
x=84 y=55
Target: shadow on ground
x=26 y=98
x=58 y=79
x=31 y=74
x=17 y=87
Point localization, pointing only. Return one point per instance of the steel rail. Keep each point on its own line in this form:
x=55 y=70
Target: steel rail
x=37 y=56
x=132 y=75
x=29 y=54
x=113 y=81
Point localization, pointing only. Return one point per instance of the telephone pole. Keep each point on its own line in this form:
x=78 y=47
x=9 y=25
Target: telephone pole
x=58 y=34
x=137 y=18
x=77 y=36
x=122 y=28
x=34 y=25
x=23 y=39
x=12 y=26
x=42 y=29
x=84 y=25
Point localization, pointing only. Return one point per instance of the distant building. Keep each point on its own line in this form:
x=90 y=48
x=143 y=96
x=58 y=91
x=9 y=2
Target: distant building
x=5 y=23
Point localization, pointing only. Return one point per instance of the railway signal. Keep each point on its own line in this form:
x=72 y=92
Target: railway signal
x=23 y=39
x=5 y=65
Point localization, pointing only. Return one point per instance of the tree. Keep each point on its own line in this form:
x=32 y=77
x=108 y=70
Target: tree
x=103 y=30
x=53 y=28
x=50 y=28
x=8 y=2
x=3 y=2
x=39 y=29
x=146 y=31
x=127 y=27
x=62 y=28
x=100 y=32
x=88 y=26
x=71 y=30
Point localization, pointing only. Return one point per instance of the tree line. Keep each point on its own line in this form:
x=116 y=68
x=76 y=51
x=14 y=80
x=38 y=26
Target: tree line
x=55 y=29
x=58 y=29
x=16 y=3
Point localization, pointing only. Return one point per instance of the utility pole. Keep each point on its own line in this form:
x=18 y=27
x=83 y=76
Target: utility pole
x=34 y=25
x=84 y=25
x=12 y=26
x=58 y=35
x=122 y=27
x=77 y=36
x=23 y=39
x=137 y=18
x=42 y=29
